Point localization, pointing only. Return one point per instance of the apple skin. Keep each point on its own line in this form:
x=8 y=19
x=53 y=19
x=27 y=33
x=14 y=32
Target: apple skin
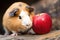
x=42 y=23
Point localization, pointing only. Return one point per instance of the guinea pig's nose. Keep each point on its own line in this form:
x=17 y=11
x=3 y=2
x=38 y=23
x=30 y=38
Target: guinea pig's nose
x=27 y=24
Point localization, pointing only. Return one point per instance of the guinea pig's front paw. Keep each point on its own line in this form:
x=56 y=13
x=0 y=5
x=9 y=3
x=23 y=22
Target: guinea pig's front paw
x=14 y=34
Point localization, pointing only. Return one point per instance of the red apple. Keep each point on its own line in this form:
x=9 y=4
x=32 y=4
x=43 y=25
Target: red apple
x=42 y=23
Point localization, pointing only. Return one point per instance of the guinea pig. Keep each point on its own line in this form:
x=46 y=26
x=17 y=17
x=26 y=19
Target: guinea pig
x=17 y=18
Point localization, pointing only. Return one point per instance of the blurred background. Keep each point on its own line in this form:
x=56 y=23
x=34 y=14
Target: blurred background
x=52 y=7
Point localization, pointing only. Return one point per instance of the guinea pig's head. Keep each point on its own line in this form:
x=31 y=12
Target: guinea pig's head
x=24 y=13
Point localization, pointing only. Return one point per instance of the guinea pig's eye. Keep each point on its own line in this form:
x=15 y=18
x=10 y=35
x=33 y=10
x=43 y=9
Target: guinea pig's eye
x=30 y=9
x=20 y=17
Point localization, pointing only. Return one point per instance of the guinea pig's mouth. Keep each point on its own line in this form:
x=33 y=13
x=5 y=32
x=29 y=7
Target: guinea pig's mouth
x=28 y=27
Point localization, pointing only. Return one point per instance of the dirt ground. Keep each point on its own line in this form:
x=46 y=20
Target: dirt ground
x=53 y=35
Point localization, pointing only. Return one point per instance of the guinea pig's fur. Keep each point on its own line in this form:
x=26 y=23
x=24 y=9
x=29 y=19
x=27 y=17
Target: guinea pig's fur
x=18 y=18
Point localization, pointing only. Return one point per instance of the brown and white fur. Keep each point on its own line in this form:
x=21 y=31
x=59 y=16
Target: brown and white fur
x=17 y=18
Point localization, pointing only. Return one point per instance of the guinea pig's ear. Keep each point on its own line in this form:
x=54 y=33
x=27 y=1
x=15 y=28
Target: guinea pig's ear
x=13 y=12
x=30 y=9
